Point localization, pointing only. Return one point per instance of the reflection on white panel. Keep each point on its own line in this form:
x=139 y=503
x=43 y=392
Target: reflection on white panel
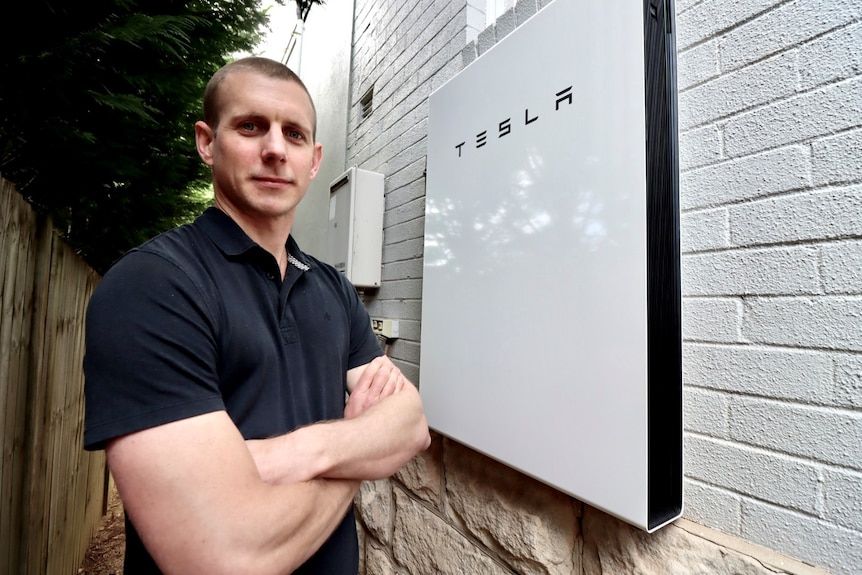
x=534 y=293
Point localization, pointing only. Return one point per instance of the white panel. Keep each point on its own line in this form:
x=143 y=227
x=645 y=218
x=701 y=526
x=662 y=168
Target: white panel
x=534 y=293
x=355 y=236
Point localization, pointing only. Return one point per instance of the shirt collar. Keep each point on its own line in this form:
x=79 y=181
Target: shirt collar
x=224 y=232
x=233 y=241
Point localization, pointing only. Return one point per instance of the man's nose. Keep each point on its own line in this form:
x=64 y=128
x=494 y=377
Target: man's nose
x=274 y=147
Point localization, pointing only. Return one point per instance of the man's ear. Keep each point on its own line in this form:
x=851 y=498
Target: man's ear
x=204 y=137
x=316 y=159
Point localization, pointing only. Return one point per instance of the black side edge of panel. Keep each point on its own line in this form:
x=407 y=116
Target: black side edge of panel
x=664 y=315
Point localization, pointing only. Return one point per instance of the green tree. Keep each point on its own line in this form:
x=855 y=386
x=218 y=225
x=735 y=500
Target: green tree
x=97 y=105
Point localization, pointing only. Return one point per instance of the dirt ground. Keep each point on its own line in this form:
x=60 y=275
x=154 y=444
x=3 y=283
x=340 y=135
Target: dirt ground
x=104 y=556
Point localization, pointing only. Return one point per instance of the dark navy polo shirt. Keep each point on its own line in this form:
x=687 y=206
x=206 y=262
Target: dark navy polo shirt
x=197 y=320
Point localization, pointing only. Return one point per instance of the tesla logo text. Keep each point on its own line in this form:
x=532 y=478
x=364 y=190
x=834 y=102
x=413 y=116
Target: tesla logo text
x=504 y=128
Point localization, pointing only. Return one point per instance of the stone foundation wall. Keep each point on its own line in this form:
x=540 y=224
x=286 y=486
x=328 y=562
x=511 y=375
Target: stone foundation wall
x=452 y=511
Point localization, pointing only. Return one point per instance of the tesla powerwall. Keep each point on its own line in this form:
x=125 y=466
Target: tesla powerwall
x=551 y=293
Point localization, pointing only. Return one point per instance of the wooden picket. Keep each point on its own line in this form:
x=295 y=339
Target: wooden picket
x=52 y=493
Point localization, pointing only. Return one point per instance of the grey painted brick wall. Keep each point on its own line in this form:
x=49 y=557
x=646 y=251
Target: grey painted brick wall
x=404 y=50
x=770 y=116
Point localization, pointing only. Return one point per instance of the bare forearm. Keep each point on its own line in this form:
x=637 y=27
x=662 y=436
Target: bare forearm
x=276 y=542
x=381 y=440
x=371 y=446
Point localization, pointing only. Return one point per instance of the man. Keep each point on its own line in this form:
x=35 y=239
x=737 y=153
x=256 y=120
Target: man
x=218 y=356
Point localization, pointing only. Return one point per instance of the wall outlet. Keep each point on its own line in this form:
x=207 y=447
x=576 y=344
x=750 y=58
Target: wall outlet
x=388 y=328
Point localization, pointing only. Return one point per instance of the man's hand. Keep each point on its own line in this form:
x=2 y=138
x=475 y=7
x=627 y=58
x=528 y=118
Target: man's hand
x=380 y=378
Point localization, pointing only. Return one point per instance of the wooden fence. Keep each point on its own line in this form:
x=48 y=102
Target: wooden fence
x=52 y=493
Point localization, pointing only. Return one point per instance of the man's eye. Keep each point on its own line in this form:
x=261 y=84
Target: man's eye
x=294 y=135
x=247 y=126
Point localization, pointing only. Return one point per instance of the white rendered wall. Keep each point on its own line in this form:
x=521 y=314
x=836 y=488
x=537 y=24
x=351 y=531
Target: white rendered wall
x=325 y=70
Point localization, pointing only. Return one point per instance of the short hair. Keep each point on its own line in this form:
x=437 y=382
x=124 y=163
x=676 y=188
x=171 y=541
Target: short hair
x=258 y=65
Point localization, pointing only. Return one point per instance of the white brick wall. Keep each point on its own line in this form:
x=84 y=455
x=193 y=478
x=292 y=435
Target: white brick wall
x=770 y=116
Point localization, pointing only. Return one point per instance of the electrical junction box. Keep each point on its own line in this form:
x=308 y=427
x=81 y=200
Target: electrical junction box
x=355 y=236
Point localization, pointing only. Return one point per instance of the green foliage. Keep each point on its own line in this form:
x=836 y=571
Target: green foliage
x=97 y=105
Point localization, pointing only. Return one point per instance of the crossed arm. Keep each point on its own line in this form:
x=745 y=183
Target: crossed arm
x=206 y=501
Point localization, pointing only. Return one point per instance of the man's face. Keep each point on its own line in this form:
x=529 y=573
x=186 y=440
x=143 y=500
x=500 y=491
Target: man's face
x=262 y=152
